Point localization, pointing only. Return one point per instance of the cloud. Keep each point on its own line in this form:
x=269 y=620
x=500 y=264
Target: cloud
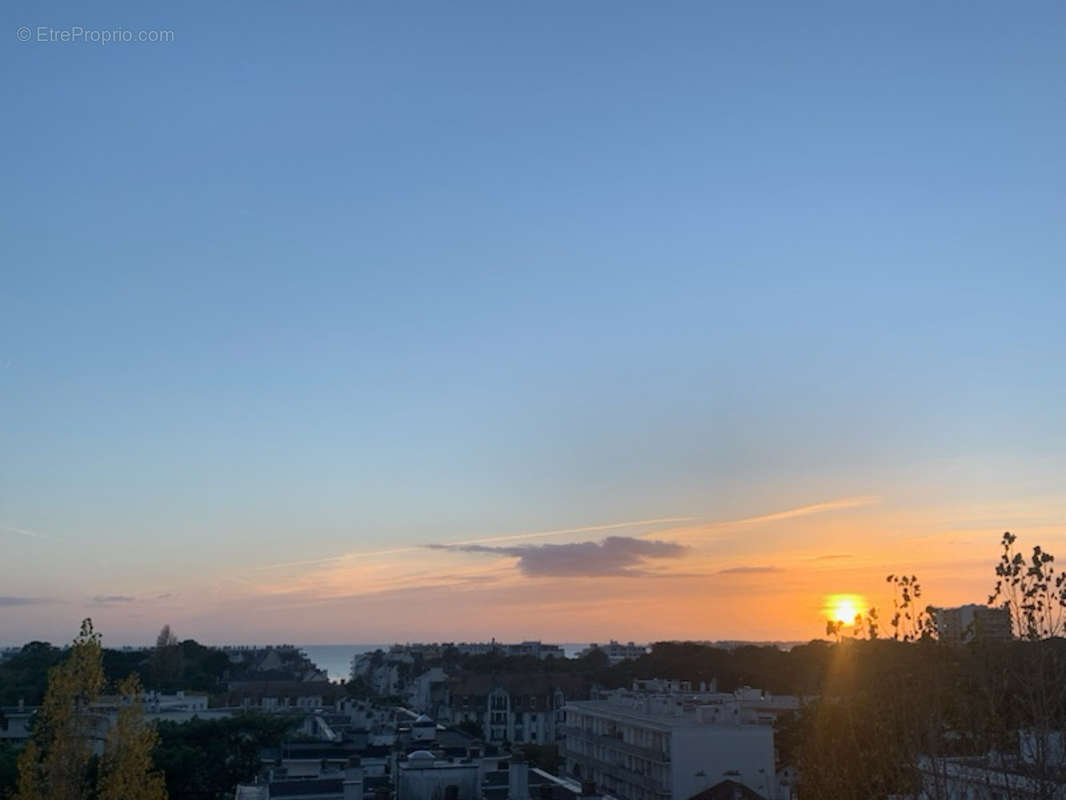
x=814 y=508
x=615 y=556
x=747 y=570
x=105 y=599
x=833 y=556
x=8 y=600
x=22 y=532
x=511 y=537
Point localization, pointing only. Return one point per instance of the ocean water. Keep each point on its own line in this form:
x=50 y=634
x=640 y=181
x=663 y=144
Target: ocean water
x=336 y=659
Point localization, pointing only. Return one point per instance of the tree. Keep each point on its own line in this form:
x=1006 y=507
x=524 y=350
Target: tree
x=167 y=659
x=1034 y=592
x=9 y=752
x=205 y=759
x=126 y=771
x=910 y=621
x=55 y=763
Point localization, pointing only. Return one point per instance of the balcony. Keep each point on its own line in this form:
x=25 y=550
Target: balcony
x=616 y=743
x=621 y=773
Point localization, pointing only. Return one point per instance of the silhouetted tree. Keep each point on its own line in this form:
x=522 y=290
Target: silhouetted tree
x=167 y=660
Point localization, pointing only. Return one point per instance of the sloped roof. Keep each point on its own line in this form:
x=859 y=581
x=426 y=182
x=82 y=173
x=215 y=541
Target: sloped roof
x=728 y=790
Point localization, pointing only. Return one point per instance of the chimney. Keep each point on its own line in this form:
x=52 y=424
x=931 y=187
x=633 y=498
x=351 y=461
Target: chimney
x=518 y=778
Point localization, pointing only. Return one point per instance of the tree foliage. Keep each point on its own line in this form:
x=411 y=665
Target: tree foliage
x=1032 y=590
x=126 y=770
x=884 y=706
x=206 y=759
x=55 y=765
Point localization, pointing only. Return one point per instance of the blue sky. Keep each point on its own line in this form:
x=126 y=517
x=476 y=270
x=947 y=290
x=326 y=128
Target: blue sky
x=311 y=282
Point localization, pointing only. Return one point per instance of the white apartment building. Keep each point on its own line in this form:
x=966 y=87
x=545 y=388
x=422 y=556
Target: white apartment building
x=617 y=652
x=665 y=747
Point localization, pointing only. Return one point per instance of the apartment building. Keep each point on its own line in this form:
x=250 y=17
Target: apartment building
x=665 y=747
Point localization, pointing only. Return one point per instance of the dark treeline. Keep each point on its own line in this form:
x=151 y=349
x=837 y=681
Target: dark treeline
x=181 y=665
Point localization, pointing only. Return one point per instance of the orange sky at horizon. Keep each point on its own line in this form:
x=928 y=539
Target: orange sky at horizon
x=767 y=577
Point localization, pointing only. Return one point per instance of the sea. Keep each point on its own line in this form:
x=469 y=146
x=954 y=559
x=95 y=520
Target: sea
x=336 y=659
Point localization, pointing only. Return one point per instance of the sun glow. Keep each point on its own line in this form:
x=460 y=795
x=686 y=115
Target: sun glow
x=844 y=607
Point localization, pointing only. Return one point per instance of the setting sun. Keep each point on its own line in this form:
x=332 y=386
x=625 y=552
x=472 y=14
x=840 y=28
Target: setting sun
x=844 y=607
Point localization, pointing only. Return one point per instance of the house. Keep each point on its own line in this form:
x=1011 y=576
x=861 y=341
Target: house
x=511 y=708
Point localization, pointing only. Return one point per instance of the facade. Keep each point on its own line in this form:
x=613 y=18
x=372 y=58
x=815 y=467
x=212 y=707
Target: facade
x=532 y=649
x=282 y=695
x=16 y=722
x=511 y=708
x=973 y=623
x=617 y=652
x=642 y=747
x=422 y=776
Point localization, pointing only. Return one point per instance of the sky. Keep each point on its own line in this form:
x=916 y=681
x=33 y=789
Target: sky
x=361 y=322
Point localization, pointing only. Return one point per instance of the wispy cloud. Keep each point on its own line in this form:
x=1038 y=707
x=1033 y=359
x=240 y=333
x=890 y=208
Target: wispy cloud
x=803 y=511
x=587 y=529
x=29 y=534
x=511 y=537
x=107 y=599
x=833 y=557
x=709 y=527
x=615 y=556
x=753 y=570
x=9 y=601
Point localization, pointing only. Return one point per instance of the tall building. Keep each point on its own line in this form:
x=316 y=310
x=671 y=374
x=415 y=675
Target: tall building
x=664 y=747
x=973 y=623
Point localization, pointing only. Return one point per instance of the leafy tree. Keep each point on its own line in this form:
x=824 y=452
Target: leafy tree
x=9 y=752
x=24 y=676
x=206 y=759
x=126 y=771
x=55 y=764
x=167 y=660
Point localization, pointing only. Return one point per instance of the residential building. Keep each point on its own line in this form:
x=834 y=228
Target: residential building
x=533 y=649
x=16 y=722
x=973 y=622
x=422 y=776
x=617 y=652
x=511 y=708
x=666 y=747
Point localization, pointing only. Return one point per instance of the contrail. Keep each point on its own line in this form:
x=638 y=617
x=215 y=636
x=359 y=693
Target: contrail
x=802 y=511
x=791 y=513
